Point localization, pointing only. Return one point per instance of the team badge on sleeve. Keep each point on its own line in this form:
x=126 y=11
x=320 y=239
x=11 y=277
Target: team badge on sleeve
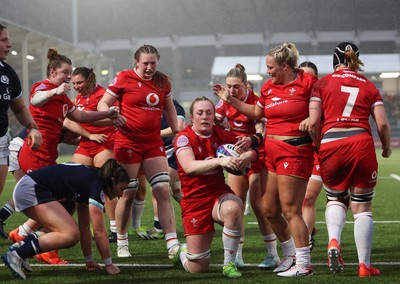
x=219 y=104
x=182 y=141
x=113 y=82
x=40 y=87
x=4 y=79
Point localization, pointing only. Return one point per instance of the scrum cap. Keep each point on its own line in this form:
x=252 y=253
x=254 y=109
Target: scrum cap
x=341 y=48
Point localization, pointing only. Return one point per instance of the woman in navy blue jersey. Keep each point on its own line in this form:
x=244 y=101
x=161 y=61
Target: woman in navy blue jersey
x=38 y=195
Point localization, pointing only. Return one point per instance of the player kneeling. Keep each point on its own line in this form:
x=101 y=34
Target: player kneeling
x=37 y=195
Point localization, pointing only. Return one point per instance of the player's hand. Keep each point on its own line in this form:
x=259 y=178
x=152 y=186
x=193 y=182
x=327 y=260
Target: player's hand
x=230 y=162
x=35 y=139
x=221 y=92
x=114 y=111
x=119 y=120
x=63 y=88
x=386 y=152
x=112 y=269
x=92 y=265
x=304 y=125
x=99 y=138
x=243 y=144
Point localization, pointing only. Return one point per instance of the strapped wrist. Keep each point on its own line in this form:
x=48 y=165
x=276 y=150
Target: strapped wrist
x=88 y=258
x=107 y=261
x=256 y=140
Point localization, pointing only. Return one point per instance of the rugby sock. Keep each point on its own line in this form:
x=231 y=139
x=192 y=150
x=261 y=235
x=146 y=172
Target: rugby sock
x=157 y=223
x=137 y=213
x=171 y=239
x=122 y=240
x=288 y=248
x=239 y=252
x=113 y=226
x=29 y=248
x=6 y=212
x=230 y=240
x=31 y=237
x=24 y=230
x=303 y=257
x=270 y=244
x=335 y=216
x=363 y=236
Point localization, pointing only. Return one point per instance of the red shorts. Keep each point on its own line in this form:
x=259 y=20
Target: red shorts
x=91 y=149
x=197 y=215
x=30 y=160
x=285 y=159
x=127 y=152
x=349 y=162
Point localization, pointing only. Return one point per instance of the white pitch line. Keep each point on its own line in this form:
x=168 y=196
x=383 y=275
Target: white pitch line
x=171 y=265
x=347 y=222
x=396 y=177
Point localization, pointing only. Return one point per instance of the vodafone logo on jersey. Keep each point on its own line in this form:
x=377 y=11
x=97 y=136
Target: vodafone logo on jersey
x=152 y=99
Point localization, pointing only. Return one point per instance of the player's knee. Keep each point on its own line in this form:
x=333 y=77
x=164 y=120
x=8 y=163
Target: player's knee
x=197 y=262
x=231 y=205
x=159 y=180
x=71 y=238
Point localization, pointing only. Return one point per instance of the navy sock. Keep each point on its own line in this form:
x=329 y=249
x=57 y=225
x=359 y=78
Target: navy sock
x=5 y=213
x=30 y=247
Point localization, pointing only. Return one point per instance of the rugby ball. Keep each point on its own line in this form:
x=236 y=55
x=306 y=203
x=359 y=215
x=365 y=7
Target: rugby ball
x=228 y=150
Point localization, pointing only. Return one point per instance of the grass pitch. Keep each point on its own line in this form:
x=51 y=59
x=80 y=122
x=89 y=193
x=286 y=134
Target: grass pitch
x=149 y=262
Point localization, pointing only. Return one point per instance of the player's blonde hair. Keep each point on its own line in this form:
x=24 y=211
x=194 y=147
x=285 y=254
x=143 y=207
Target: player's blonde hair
x=286 y=53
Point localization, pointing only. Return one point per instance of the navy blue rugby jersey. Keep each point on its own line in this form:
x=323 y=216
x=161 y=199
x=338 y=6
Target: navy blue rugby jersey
x=72 y=181
x=164 y=123
x=10 y=89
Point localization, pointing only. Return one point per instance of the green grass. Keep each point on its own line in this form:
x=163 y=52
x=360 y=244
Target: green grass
x=149 y=263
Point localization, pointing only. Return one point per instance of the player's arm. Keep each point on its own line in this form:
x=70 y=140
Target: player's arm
x=25 y=118
x=170 y=115
x=383 y=127
x=86 y=236
x=40 y=98
x=76 y=128
x=314 y=123
x=249 y=110
x=105 y=103
x=193 y=167
x=101 y=237
x=166 y=132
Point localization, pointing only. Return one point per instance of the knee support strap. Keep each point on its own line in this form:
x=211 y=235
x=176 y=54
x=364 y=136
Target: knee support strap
x=160 y=179
x=362 y=198
x=198 y=256
x=225 y=197
x=132 y=185
x=339 y=196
